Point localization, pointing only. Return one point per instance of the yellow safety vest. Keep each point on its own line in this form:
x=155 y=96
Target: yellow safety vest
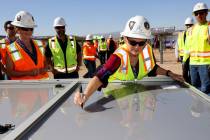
x=58 y=56
x=197 y=44
x=124 y=72
x=181 y=43
x=102 y=46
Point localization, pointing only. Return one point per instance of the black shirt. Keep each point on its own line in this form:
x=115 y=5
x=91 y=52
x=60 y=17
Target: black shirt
x=32 y=54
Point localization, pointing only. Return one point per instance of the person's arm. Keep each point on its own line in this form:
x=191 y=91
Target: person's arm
x=177 y=51
x=48 y=58
x=101 y=79
x=162 y=71
x=13 y=73
x=79 y=56
x=92 y=86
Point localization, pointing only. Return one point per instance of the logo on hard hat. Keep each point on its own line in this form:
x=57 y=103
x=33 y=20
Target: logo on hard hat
x=32 y=18
x=131 y=24
x=18 y=18
x=146 y=25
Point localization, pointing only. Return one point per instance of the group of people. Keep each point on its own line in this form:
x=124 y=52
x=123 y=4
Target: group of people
x=96 y=48
x=193 y=47
x=23 y=58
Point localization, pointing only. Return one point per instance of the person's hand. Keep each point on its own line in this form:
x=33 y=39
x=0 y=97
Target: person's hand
x=77 y=69
x=177 y=60
x=79 y=99
x=176 y=77
x=35 y=72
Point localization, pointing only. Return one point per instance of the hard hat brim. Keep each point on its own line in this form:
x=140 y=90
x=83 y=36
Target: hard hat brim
x=21 y=25
x=136 y=35
x=59 y=25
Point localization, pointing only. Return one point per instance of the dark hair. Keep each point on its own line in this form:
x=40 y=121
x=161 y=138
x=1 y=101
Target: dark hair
x=6 y=23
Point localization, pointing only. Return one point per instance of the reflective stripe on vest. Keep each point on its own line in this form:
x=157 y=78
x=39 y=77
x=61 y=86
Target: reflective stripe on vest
x=58 y=56
x=86 y=56
x=63 y=70
x=40 y=44
x=124 y=72
x=14 y=52
x=200 y=54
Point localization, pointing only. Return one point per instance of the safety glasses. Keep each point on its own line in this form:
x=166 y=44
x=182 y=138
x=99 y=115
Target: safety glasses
x=26 y=29
x=60 y=27
x=10 y=28
x=199 y=13
x=134 y=43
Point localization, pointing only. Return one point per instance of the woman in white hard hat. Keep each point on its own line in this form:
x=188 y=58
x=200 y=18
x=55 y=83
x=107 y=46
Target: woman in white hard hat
x=133 y=60
x=89 y=56
x=25 y=57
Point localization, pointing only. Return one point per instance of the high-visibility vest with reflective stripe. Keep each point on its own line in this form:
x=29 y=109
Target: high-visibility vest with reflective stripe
x=3 y=43
x=23 y=62
x=58 y=55
x=199 y=48
x=124 y=72
x=181 y=43
x=102 y=46
x=89 y=52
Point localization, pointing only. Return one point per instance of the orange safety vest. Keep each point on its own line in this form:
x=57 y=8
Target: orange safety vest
x=3 y=43
x=23 y=62
x=89 y=52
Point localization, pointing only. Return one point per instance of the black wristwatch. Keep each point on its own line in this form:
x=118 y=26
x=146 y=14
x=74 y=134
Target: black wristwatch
x=167 y=73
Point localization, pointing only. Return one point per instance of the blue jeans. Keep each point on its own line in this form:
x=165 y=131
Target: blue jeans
x=200 y=77
x=91 y=67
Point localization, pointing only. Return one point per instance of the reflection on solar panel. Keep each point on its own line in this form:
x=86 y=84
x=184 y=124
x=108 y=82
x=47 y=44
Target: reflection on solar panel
x=151 y=109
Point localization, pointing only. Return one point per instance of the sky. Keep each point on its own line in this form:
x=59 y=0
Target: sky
x=95 y=16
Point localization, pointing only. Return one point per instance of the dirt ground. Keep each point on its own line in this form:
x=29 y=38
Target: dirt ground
x=169 y=62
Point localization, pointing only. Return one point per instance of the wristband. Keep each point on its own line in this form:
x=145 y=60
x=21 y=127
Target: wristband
x=167 y=73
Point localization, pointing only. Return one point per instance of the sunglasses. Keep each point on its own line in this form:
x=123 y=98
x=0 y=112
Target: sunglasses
x=189 y=25
x=26 y=29
x=134 y=43
x=199 y=13
x=60 y=27
x=10 y=28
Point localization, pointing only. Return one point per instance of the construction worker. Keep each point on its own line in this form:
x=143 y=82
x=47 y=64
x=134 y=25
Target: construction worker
x=63 y=53
x=25 y=57
x=10 y=38
x=121 y=40
x=180 y=47
x=102 y=50
x=111 y=46
x=133 y=60
x=89 y=56
x=198 y=48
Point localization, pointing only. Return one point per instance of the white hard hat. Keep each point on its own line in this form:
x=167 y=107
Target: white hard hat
x=200 y=6
x=110 y=36
x=89 y=37
x=189 y=20
x=24 y=19
x=102 y=37
x=137 y=27
x=59 y=21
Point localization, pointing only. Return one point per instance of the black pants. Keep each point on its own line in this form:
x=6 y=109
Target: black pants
x=66 y=75
x=91 y=67
x=186 y=71
x=102 y=57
